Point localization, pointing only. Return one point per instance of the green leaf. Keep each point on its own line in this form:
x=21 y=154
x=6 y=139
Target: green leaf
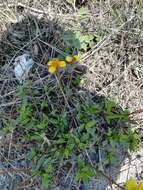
x=40 y=163
x=70 y=2
x=111 y=157
x=20 y=91
x=44 y=104
x=85 y=177
x=85 y=137
x=80 y=163
x=77 y=80
x=87 y=38
x=97 y=37
x=71 y=40
x=90 y=124
x=90 y=37
x=93 y=109
x=68 y=150
x=109 y=105
x=129 y=141
x=62 y=57
x=83 y=12
x=45 y=181
x=31 y=154
x=43 y=124
x=30 y=124
x=36 y=137
x=84 y=46
x=84 y=171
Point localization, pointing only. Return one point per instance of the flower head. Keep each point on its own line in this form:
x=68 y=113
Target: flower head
x=55 y=64
x=72 y=59
x=140 y=186
x=131 y=184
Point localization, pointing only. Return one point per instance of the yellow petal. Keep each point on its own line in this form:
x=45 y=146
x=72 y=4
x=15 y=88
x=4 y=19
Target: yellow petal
x=140 y=186
x=68 y=58
x=62 y=63
x=76 y=57
x=131 y=184
x=52 y=69
x=50 y=63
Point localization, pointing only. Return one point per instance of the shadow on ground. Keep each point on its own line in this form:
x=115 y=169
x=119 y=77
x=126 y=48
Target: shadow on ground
x=42 y=40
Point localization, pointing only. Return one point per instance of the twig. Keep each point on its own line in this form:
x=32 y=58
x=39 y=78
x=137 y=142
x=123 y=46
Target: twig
x=9 y=103
x=102 y=173
x=10 y=5
x=136 y=112
x=26 y=182
x=102 y=42
x=27 y=44
x=58 y=81
x=111 y=180
x=70 y=170
x=10 y=144
x=54 y=48
x=8 y=94
x=13 y=170
x=119 y=77
x=100 y=160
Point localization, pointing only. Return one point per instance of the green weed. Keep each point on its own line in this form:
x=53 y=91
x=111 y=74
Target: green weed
x=79 y=41
x=58 y=135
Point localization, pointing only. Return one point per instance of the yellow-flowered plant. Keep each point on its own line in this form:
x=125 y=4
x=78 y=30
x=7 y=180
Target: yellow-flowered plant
x=131 y=184
x=55 y=64
x=72 y=59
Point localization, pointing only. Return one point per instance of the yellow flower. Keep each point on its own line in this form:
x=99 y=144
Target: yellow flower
x=55 y=64
x=131 y=184
x=140 y=186
x=72 y=59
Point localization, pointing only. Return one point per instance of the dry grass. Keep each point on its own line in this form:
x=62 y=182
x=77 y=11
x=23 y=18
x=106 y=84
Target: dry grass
x=114 y=63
